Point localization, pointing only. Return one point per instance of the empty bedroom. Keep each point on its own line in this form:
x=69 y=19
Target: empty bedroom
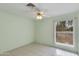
x=39 y=29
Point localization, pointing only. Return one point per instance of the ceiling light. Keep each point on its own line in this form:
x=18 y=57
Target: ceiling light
x=39 y=13
x=39 y=17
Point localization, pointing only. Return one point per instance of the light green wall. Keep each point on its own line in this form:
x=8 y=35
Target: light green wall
x=15 y=31
x=45 y=30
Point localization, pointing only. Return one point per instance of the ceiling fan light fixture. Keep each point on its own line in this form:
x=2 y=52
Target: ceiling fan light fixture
x=39 y=13
x=30 y=5
x=39 y=17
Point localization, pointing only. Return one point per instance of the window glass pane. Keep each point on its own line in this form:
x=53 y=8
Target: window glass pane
x=66 y=38
x=64 y=32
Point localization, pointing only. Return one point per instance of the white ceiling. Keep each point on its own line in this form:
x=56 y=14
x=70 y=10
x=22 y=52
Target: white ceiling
x=50 y=9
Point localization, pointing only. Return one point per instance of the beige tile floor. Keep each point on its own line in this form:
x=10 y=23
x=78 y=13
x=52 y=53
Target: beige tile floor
x=37 y=50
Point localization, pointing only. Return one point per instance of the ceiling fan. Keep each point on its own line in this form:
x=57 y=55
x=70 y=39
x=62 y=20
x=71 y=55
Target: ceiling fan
x=38 y=12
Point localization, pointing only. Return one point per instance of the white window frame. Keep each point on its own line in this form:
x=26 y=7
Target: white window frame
x=62 y=44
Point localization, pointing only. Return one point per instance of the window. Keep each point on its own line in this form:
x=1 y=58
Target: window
x=64 y=33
